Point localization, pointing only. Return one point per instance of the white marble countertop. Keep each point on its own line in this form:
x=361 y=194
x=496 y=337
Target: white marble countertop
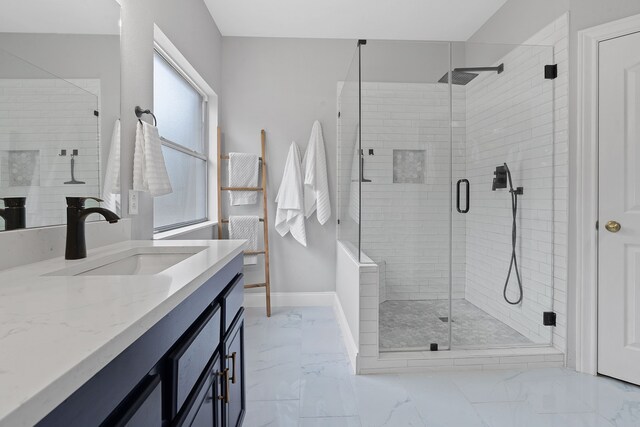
x=56 y=332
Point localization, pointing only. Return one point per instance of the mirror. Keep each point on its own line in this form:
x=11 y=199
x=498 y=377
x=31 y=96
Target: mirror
x=59 y=108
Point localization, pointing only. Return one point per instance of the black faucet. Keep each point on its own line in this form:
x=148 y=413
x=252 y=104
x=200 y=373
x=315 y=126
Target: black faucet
x=14 y=213
x=76 y=215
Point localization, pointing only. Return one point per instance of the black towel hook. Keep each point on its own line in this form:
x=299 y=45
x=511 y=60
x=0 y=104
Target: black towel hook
x=139 y=112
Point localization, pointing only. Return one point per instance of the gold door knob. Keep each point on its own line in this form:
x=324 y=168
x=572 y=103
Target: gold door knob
x=613 y=226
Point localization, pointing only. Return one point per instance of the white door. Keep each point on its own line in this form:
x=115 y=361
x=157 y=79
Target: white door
x=619 y=208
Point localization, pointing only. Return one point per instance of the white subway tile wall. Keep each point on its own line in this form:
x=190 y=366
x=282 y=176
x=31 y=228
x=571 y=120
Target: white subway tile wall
x=520 y=118
x=510 y=119
x=406 y=224
x=46 y=116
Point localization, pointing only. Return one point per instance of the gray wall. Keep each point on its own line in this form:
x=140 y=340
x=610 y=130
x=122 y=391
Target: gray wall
x=514 y=23
x=190 y=27
x=283 y=85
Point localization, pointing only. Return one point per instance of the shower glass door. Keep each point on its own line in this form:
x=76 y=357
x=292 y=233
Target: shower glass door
x=406 y=170
x=503 y=151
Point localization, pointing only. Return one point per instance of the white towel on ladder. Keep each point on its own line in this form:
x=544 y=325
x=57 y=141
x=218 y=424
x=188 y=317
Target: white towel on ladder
x=245 y=227
x=316 y=186
x=149 y=170
x=243 y=172
x=290 y=199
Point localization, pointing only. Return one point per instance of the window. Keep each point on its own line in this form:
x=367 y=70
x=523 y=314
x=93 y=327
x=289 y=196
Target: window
x=180 y=108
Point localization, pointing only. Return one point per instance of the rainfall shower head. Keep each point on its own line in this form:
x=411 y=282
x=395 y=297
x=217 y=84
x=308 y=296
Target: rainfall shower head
x=462 y=76
x=458 y=77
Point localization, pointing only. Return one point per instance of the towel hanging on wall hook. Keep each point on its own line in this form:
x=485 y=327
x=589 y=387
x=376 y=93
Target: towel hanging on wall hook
x=139 y=112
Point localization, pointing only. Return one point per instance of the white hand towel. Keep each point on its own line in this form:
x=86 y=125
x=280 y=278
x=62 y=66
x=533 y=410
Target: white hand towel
x=316 y=186
x=243 y=172
x=354 y=188
x=290 y=199
x=245 y=228
x=149 y=170
x=111 y=187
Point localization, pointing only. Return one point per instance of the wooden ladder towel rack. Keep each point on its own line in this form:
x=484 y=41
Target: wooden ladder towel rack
x=264 y=220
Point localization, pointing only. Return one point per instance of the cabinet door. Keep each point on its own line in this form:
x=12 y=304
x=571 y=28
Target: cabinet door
x=142 y=408
x=234 y=407
x=204 y=407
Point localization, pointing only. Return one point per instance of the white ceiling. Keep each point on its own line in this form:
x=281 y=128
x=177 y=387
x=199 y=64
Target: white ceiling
x=353 y=19
x=60 y=16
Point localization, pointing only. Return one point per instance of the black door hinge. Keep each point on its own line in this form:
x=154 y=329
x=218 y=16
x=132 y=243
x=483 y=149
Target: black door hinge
x=338 y=114
x=549 y=318
x=96 y=113
x=597 y=225
x=338 y=222
x=551 y=71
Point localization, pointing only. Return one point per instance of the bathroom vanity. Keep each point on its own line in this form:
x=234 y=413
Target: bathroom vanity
x=146 y=333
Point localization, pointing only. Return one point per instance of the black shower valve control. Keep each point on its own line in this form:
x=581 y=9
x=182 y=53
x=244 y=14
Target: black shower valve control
x=519 y=191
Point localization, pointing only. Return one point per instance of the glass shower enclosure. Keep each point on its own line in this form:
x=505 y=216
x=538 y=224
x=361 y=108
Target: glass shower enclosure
x=445 y=164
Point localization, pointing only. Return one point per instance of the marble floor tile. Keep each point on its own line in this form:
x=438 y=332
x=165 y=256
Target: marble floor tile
x=489 y=386
x=273 y=380
x=521 y=414
x=439 y=401
x=274 y=413
x=298 y=374
x=326 y=389
x=330 y=422
x=382 y=401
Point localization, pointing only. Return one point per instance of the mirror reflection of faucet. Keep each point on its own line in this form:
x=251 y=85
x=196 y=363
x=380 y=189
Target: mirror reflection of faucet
x=74 y=154
x=14 y=213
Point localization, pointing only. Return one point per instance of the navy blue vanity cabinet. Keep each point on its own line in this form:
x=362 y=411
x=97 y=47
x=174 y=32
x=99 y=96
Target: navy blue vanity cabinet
x=143 y=407
x=176 y=373
x=204 y=409
x=233 y=365
x=187 y=362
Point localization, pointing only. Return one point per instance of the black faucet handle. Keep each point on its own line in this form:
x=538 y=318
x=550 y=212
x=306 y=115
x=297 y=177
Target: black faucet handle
x=78 y=202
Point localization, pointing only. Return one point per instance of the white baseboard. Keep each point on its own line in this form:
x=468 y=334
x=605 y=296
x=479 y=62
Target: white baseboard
x=291 y=299
x=347 y=336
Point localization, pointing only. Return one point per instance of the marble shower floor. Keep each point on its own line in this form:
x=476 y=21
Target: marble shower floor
x=298 y=376
x=417 y=324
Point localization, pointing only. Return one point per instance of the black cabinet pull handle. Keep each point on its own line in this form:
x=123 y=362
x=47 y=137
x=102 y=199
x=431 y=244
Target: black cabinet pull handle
x=466 y=209
x=233 y=367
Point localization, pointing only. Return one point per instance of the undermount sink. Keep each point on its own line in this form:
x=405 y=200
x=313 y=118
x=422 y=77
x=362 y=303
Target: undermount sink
x=132 y=262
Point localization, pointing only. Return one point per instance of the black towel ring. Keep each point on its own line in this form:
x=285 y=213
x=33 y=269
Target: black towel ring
x=139 y=112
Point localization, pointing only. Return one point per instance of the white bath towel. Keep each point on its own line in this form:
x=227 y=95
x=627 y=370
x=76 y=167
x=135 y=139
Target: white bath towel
x=243 y=172
x=290 y=199
x=111 y=187
x=245 y=228
x=149 y=170
x=354 y=188
x=316 y=186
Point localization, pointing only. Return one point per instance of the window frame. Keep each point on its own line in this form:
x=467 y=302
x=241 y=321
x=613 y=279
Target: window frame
x=204 y=156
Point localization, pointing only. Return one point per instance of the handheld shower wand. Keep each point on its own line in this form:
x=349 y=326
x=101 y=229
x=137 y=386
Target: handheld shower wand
x=502 y=176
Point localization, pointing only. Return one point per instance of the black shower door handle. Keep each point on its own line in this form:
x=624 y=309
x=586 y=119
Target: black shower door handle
x=466 y=209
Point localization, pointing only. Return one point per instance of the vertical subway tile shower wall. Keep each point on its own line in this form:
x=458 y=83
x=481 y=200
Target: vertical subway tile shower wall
x=401 y=221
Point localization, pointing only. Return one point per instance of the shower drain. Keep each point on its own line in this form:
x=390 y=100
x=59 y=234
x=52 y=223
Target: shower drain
x=445 y=319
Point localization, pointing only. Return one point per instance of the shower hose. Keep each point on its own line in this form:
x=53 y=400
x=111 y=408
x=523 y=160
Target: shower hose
x=513 y=265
